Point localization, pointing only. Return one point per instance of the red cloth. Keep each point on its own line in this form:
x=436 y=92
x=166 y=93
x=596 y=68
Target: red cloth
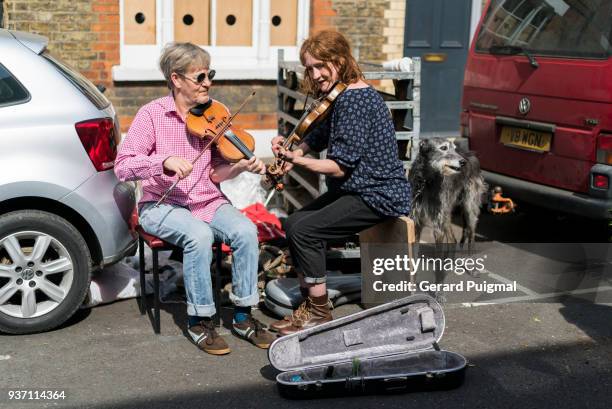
x=268 y=225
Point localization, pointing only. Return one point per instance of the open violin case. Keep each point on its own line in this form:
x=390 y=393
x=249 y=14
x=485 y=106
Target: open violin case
x=389 y=348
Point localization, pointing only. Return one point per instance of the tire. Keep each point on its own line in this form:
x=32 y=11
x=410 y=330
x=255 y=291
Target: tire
x=45 y=271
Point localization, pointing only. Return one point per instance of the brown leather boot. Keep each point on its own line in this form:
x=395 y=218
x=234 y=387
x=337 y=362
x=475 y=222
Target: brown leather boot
x=286 y=321
x=317 y=312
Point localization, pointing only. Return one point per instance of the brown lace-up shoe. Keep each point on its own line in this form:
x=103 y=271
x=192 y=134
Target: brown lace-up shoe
x=314 y=314
x=253 y=331
x=286 y=321
x=205 y=336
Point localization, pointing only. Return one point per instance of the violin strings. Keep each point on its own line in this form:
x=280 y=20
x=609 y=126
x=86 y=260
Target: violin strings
x=238 y=143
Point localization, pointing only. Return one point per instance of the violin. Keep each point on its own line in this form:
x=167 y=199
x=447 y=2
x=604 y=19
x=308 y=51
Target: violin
x=205 y=120
x=313 y=115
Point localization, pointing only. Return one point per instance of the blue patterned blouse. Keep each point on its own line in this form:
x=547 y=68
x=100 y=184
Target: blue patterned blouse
x=359 y=135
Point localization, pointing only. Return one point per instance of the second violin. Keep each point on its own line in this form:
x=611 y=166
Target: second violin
x=316 y=112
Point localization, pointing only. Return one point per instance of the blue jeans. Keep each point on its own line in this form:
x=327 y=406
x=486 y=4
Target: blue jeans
x=178 y=226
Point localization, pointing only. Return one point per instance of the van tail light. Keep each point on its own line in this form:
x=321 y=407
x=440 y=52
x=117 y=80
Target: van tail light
x=98 y=139
x=604 y=149
x=601 y=181
x=465 y=124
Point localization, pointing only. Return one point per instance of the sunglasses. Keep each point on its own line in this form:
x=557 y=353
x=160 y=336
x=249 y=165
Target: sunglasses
x=201 y=77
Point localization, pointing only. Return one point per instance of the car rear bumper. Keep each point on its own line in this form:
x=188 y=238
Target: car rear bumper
x=550 y=197
x=107 y=205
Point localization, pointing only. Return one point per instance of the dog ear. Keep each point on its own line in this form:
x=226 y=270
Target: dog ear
x=424 y=145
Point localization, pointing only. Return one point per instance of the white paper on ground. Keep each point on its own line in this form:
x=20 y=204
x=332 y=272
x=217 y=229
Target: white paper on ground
x=122 y=280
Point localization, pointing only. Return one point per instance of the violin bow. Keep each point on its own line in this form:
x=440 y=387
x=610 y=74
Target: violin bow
x=213 y=140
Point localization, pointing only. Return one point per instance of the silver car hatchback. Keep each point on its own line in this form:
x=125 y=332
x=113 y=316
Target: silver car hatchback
x=63 y=213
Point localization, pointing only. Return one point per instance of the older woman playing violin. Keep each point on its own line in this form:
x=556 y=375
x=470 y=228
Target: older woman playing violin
x=157 y=150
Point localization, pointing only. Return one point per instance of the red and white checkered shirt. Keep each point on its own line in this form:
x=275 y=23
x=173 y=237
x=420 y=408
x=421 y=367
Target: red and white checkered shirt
x=157 y=133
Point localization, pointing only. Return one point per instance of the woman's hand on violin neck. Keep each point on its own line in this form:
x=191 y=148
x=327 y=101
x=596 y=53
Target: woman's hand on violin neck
x=253 y=165
x=287 y=155
x=285 y=168
x=180 y=166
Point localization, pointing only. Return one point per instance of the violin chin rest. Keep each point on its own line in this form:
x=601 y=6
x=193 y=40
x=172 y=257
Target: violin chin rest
x=199 y=109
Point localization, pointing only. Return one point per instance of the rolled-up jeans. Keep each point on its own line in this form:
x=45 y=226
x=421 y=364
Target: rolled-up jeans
x=176 y=225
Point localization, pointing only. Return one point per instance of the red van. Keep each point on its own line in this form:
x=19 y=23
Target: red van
x=537 y=102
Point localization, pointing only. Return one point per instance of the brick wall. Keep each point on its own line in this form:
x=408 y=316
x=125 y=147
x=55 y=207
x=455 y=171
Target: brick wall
x=322 y=15
x=375 y=28
x=362 y=21
x=84 y=33
x=394 y=29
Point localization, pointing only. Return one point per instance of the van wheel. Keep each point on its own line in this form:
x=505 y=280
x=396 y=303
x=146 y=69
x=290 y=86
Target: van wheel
x=44 y=271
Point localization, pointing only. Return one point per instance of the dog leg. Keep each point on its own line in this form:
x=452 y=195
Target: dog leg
x=438 y=233
x=441 y=246
x=439 y=272
x=465 y=233
x=450 y=241
x=467 y=237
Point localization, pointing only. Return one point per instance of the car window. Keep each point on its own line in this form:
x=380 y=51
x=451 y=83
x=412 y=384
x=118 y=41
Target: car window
x=78 y=80
x=563 y=28
x=11 y=90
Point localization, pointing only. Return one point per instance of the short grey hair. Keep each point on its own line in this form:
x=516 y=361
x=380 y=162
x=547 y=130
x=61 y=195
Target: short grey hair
x=179 y=57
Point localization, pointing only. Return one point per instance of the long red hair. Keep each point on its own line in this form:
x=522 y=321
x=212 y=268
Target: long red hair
x=332 y=47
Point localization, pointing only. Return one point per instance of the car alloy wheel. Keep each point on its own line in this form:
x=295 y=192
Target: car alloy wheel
x=37 y=277
x=45 y=271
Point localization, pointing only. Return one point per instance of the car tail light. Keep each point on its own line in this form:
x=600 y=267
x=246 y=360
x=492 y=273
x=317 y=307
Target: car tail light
x=604 y=149
x=98 y=139
x=601 y=181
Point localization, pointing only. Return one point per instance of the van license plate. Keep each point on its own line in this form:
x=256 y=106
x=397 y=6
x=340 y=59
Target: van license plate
x=526 y=139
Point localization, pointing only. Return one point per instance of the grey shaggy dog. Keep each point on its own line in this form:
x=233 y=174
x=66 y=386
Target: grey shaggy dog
x=443 y=179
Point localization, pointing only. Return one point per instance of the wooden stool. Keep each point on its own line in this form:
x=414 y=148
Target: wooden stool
x=395 y=236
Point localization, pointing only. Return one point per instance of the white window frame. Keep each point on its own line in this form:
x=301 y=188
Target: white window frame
x=139 y=62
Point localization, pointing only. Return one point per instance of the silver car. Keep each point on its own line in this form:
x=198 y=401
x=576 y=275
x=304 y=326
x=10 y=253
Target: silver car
x=63 y=213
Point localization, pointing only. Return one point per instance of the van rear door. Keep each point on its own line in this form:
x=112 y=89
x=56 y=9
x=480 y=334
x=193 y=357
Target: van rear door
x=538 y=89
